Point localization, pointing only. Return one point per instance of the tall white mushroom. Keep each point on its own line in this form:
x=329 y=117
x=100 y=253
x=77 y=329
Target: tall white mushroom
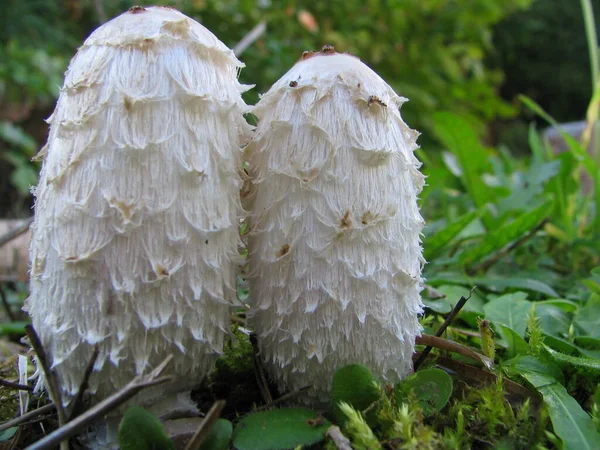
x=335 y=238
x=135 y=239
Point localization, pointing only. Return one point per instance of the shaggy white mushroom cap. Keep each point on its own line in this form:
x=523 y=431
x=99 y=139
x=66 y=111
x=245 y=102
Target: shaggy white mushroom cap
x=335 y=238
x=135 y=239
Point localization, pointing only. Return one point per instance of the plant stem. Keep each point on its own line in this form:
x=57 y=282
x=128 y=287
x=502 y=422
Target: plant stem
x=592 y=40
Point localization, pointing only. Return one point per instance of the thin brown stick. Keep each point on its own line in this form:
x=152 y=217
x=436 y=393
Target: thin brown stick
x=27 y=417
x=455 y=347
x=443 y=327
x=78 y=402
x=15 y=232
x=13 y=385
x=485 y=265
x=284 y=398
x=51 y=381
x=340 y=441
x=209 y=420
x=131 y=389
x=259 y=372
x=6 y=305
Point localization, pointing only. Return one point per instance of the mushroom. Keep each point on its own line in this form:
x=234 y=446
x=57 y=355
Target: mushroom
x=335 y=235
x=135 y=239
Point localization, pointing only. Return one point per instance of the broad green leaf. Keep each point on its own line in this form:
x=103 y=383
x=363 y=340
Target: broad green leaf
x=432 y=388
x=435 y=243
x=571 y=423
x=588 y=317
x=460 y=138
x=541 y=371
x=141 y=430
x=279 y=429
x=438 y=305
x=501 y=236
x=527 y=284
x=510 y=310
x=356 y=385
x=495 y=284
x=219 y=436
x=516 y=345
x=554 y=320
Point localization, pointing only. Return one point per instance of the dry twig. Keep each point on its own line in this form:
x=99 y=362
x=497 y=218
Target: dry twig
x=443 y=327
x=27 y=417
x=455 y=347
x=71 y=428
x=340 y=441
x=12 y=385
x=15 y=232
x=206 y=425
x=78 y=402
x=51 y=381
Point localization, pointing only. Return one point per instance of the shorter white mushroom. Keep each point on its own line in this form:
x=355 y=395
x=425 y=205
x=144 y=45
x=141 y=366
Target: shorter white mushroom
x=335 y=235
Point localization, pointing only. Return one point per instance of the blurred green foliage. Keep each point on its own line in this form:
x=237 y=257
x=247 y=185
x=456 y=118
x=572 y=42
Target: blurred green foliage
x=543 y=52
x=431 y=51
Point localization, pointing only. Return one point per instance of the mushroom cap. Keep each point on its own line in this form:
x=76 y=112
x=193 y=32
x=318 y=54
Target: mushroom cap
x=135 y=238
x=335 y=233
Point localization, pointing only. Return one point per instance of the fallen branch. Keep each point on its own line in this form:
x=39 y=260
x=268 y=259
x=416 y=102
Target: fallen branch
x=27 y=417
x=443 y=327
x=130 y=390
x=259 y=371
x=209 y=420
x=284 y=398
x=340 y=441
x=455 y=347
x=51 y=381
x=12 y=385
x=15 y=232
x=78 y=402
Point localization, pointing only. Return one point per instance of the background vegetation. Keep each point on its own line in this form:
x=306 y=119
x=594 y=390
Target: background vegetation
x=505 y=211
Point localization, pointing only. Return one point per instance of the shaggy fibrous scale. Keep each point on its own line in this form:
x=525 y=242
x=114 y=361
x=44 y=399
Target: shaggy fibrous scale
x=335 y=236
x=135 y=238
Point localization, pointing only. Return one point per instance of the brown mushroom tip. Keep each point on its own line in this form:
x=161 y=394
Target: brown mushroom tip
x=136 y=9
x=325 y=50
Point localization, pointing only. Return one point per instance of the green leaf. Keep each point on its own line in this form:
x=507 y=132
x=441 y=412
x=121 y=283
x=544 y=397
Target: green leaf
x=516 y=345
x=432 y=387
x=571 y=423
x=279 y=429
x=554 y=320
x=356 y=385
x=501 y=236
x=589 y=365
x=141 y=430
x=8 y=434
x=460 y=138
x=219 y=436
x=496 y=284
x=588 y=317
x=13 y=328
x=435 y=243
x=510 y=310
